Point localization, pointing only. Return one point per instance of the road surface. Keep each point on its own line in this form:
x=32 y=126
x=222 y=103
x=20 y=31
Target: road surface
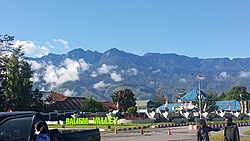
x=158 y=134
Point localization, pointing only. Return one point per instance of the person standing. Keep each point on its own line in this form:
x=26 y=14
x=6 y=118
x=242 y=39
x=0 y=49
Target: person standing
x=41 y=131
x=203 y=130
x=231 y=131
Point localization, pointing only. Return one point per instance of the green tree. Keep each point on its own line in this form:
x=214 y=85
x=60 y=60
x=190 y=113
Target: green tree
x=3 y=77
x=18 y=84
x=159 y=97
x=211 y=102
x=222 y=96
x=91 y=105
x=132 y=111
x=3 y=62
x=125 y=98
x=238 y=93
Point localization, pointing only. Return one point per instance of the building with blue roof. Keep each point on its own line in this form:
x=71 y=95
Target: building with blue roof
x=186 y=102
x=228 y=105
x=171 y=107
x=193 y=95
x=186 y=105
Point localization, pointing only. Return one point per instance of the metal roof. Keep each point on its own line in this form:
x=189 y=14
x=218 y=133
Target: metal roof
x=229 y=105
x=171 y=107
x=193 y=95
x=142 y=103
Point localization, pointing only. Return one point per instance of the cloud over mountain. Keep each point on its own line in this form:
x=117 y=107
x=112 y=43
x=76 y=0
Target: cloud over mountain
x=84 y=73
x=69 y=93
x=100 y=85
x=116 y=77
x=69 y=70
x=35 y=65
x=224 y=75
x=93 y=74
x=104 y=69
x=183 y=80
x=244 y=74
x=132 y=71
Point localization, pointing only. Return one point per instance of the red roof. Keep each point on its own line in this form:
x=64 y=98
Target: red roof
x=61 y=102
x=57 y=97
x=109 y=105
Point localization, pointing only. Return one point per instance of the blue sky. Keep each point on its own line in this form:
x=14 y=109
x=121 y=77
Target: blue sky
x=204 y=29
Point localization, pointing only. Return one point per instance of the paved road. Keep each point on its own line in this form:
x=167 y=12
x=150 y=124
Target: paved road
x=157 y=134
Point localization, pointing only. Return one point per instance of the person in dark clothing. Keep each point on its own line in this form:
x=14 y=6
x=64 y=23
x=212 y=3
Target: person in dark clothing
x=231 y=131
x=203 y=130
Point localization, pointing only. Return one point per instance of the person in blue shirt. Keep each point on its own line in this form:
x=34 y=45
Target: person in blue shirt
x=41 y=131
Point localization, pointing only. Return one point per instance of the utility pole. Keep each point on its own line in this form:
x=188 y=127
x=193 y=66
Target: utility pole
x=199 y=93
x=199 y=81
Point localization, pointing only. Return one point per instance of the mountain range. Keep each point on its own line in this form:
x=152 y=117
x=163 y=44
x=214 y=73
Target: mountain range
x=99 y=75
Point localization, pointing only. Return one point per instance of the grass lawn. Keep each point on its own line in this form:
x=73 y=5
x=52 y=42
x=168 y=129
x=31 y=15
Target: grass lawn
x=219 y=137
x=247 y=132
x=112 y=126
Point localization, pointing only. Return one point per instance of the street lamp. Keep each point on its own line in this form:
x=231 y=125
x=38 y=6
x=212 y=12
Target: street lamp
x=199 y=81
x=199 y=94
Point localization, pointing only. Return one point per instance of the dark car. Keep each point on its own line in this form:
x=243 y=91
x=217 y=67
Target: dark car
x=21 y=126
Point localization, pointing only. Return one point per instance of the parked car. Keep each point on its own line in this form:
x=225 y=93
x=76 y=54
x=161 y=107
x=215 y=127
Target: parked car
x=21 y=126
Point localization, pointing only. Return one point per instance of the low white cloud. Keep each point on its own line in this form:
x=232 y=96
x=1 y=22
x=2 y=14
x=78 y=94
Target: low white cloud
x=217 y=67
x=183 y=80
x=100 y=85
x=79 y=65
x=116 y=77
x=31 y=49
x=83 y=65
x=35 y=77
x=156 y=71
x=51 y=75
x=68 y=71
x=63 y=42
x=35 y=65
x=69 y=93
x=244 y=74
x=132 y=71
x=42 y=89
x=93 y=74
x=224 y=75
x=122 y=71
x=151 y=83
x=104 y=69
x=199 y=77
